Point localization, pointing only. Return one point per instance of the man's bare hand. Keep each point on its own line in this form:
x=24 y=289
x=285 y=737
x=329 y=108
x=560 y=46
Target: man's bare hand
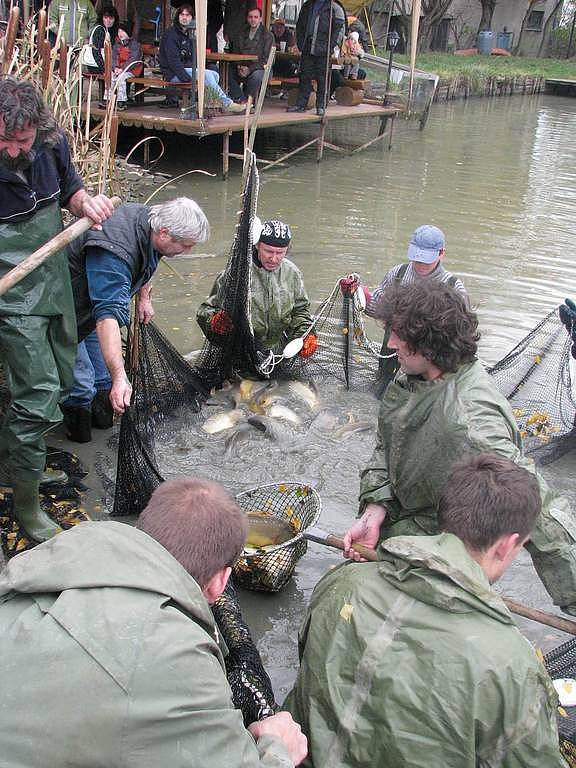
x=243 y=70
x=145 y=309
x=365 y=531
x=120 y=394
x=284 y=728
x=98 y=208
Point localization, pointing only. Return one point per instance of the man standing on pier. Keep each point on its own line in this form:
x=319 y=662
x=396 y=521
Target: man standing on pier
x=319 y=28
x=37 y=323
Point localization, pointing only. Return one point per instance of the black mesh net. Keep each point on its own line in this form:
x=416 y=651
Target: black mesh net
x=561 y=663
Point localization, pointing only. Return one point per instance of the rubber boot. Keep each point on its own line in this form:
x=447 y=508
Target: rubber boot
x=48 y=477
x=102 y=412
x=77 y=422
x=34 y=522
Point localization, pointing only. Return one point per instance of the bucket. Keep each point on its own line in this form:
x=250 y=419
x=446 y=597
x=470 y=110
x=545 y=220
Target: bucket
x=504 y=40
x=485 y=42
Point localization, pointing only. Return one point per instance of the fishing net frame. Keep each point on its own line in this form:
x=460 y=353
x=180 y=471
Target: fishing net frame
x=298 y=504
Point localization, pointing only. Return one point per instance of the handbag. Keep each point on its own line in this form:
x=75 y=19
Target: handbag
x=87 y=56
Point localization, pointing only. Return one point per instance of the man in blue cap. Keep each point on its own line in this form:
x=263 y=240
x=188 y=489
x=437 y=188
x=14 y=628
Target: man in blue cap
x=425 y=253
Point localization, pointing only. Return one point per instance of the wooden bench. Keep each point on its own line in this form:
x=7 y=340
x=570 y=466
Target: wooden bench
x=184 y=89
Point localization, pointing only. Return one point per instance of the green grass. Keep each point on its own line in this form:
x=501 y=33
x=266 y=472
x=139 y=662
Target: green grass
x=448 y=66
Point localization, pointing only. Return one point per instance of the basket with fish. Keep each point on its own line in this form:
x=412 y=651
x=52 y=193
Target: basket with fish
x=278 y=514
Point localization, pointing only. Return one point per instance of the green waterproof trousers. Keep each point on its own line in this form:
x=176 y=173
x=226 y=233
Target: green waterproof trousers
x=37 y=343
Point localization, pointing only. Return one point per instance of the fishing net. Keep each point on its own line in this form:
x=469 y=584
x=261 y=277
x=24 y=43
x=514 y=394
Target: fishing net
x=251 y=687
x=561 y=663
x=535 y=378
x=294 y=503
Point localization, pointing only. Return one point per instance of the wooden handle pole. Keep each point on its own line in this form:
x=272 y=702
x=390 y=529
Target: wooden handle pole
x=549 y=619
x=59 y=241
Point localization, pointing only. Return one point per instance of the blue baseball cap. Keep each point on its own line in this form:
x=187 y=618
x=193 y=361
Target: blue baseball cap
x=426 y=244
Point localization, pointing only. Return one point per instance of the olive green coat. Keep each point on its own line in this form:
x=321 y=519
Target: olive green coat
x=109 y=657
x=280 y=308
x=414 y=663
x=423 y=428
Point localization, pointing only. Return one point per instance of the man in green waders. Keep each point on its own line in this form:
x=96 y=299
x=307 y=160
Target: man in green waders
x=37 y=319
x=441 y=407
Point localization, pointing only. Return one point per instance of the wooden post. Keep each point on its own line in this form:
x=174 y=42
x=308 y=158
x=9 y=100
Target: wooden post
x=226 y=154
x=146 y=158
x=321 y=140
x=393 y=118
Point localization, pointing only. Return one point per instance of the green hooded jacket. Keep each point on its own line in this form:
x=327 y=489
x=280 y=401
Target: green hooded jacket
x=413 y=662
x=109 y=657
x=280 y=308
x=426 y=426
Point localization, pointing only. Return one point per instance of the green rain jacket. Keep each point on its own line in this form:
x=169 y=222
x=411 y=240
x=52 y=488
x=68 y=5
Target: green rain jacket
x=109 y=657
x=413 y=662
x=423 y=428
x=280 y=308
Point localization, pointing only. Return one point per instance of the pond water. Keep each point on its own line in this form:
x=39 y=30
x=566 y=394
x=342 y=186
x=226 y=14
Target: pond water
x=498 y=176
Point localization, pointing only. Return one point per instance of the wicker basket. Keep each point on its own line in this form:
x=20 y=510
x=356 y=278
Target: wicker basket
x=269 y=569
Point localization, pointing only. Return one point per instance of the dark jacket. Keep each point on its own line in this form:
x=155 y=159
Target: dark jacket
x=127 y=236
x=234 y=22
x=177 y=52
x=51 y=177
x=327 y=29
x=260 y=46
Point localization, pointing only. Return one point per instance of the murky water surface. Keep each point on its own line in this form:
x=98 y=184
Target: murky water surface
x=499 y=177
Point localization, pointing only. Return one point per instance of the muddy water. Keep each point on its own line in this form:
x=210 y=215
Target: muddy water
x=499 y=177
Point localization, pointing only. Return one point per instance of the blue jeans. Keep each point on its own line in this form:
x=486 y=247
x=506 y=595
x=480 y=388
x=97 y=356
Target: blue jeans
x=212 y=80
x=90 y=373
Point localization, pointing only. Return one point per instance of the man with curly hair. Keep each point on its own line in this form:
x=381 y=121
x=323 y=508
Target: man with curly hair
x=442 y=407
x=37 y=322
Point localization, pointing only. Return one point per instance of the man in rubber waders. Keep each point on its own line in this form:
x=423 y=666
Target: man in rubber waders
x=110 y=652
x=37 y=322
x=280 y=308
x=442 y=406
x=426 y=253
x=413 y=660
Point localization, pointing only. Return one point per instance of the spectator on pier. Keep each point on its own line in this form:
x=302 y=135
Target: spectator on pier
x=126 y=62
x=284 y=41
x=413 y=660
x=319 y=29
x=178 y=59
x=443 y=405
x=37 y=328
x=79 y=20
x=350 y=53
x=246 y=79
x=235 y=13
x=106 y=24
x=108 y=629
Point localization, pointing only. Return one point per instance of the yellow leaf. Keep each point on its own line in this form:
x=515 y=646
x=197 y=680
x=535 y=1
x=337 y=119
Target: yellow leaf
x=346 y=612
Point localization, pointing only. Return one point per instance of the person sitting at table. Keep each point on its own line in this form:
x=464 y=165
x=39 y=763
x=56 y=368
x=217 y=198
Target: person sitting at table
x=284 y=41
x=178 y=60
x=246 y=79
x=126 y=62
x=106 y=22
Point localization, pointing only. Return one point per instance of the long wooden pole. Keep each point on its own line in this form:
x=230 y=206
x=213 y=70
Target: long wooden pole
x=201 y=25
x=416 y=4
x=558 y=622
x=59 y=241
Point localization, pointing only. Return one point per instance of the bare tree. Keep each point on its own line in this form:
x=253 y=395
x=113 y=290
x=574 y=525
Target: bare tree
x=487 y=13
x=433 y=11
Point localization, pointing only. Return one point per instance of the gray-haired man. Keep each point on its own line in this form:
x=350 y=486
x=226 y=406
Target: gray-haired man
x=108 y=267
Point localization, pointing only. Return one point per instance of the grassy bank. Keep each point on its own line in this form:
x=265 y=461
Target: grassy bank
x=448 y=66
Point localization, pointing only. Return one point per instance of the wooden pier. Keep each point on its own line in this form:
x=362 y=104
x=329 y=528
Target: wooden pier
x=560 y=86
x=273 y=115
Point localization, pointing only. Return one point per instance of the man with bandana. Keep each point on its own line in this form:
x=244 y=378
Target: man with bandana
x=280 y=308
x=37 y=318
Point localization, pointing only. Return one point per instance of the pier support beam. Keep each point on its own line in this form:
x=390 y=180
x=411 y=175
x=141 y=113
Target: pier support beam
x=226 y=153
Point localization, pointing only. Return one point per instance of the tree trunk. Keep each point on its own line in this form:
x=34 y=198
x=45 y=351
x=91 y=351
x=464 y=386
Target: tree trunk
x=487 y=14
x=546 y=28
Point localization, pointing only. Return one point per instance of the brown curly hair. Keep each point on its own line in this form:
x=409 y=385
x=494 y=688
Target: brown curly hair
x=21 y=105
x=434 y=320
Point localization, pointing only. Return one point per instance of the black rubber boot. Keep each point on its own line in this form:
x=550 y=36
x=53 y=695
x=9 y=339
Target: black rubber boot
x=33 y=520
x=102 y=412
x=77 y=422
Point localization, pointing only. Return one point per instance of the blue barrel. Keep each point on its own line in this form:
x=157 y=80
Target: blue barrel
x=485 y=42
x=504 y=40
